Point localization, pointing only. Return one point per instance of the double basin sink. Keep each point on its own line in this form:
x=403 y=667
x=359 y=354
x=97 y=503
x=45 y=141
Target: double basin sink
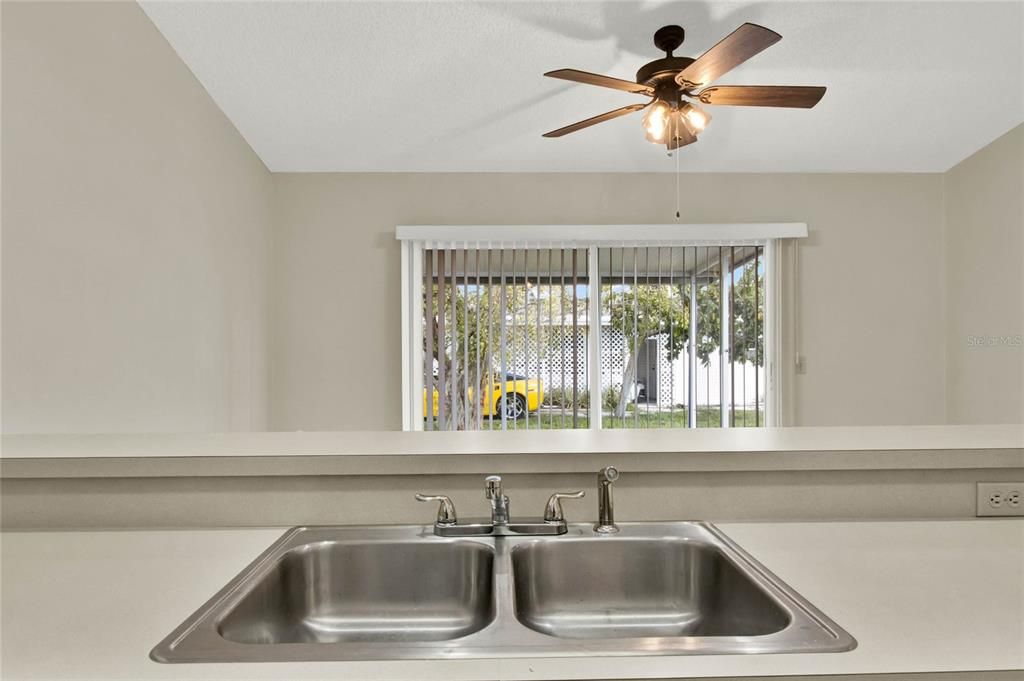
x=400 y=592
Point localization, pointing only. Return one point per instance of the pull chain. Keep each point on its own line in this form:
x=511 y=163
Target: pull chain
x=676 y=154
x=677 y=185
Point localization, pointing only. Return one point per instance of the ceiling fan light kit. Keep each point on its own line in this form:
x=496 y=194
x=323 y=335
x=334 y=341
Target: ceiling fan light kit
x=677 y=84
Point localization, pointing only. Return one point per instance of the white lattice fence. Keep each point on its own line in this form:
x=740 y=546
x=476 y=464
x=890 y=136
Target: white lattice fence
x=554 y=364
x=671 y=375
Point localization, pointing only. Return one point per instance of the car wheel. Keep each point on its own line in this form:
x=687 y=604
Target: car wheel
x=513 y=406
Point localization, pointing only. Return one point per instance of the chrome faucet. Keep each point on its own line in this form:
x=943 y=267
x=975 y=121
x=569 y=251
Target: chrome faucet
x=500 y=523
x=499 y=502
x=605 y=503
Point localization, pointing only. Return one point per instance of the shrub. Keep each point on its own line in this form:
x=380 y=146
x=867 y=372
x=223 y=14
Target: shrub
x=562 y=397
x=583 y=399
x=610 y=397
x=557 y=397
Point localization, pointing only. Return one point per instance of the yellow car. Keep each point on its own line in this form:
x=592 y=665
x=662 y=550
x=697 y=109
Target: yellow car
x=522 y=394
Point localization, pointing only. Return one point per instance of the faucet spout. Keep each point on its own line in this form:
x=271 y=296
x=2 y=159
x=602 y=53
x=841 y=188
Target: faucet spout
x=499 y=502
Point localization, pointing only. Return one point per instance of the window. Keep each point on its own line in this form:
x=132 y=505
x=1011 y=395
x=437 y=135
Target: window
x=580 y=327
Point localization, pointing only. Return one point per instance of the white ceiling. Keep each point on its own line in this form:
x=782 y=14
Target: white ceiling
x=457 y=86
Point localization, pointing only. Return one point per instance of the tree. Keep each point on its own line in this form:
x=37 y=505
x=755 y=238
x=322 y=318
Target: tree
x=748 y=317
x=474 y=314
x=640 y=313
x=709 y=319
x=648 y=311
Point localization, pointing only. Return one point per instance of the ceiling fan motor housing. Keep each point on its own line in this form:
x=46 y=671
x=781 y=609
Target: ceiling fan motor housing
x=666 y=68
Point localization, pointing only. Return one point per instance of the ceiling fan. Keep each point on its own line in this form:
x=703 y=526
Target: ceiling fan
x=676 y=84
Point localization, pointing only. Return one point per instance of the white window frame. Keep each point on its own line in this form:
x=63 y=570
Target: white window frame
x=414 y=238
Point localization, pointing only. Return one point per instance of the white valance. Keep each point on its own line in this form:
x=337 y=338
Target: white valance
x=729 y=234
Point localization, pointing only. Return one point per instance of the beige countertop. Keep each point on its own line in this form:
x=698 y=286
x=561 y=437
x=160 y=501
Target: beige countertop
x=408 y=453
x=926 y=596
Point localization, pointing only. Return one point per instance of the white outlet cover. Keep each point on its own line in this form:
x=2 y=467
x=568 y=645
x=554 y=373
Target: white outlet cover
x=1000 y=499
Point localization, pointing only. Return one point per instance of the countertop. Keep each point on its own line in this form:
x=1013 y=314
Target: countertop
x=549 y=451
x=925 y=596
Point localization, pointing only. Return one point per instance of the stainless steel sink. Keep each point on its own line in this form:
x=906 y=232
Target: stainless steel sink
x=333 y=592
x=635 y=588
x=361 y=593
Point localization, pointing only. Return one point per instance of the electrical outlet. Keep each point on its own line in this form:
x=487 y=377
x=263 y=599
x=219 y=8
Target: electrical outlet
x=1000 y=498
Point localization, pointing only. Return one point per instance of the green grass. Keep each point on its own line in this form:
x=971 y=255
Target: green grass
x=707 y=417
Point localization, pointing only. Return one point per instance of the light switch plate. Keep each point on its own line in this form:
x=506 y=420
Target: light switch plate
x=1000 y=499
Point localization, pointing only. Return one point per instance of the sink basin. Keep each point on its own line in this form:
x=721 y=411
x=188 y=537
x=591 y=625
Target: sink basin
x=632 y=588
x=402 y=593
x=332 y=592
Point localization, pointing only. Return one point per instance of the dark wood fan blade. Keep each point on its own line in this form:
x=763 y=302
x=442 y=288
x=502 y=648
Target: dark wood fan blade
x=730 y=52
x=789 y=96
x=602 y=81
x=681 y=137
x=594 y=120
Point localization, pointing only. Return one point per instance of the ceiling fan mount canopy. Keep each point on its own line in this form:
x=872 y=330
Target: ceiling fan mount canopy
x=673 y=120
x=669 y=38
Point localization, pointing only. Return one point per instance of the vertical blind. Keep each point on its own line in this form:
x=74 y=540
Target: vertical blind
x=501 y=329
x=685 y=336
x=552 y=337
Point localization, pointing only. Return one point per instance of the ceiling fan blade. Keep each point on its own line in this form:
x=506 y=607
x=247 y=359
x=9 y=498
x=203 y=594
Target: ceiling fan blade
x=680 y=138
x=594 y=120
x=730 y=52
x=602 y=81
x=788 y=96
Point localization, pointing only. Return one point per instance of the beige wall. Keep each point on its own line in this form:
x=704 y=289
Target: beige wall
x=136 y=223
x=984 y=202
x=148 y=254
x=871 y=279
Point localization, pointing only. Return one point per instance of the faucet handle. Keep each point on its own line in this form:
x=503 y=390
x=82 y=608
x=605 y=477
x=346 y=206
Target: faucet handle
x=553 y=511
x=445 y=512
